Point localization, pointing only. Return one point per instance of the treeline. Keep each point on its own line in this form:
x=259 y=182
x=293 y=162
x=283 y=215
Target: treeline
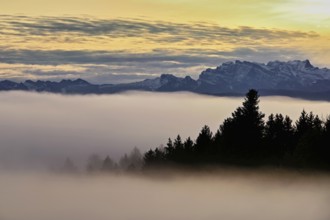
x=96 y=164
x=247 y=139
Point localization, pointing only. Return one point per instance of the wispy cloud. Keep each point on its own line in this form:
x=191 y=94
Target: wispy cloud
x=123 y=50
x=124 y=66
x=157 y=31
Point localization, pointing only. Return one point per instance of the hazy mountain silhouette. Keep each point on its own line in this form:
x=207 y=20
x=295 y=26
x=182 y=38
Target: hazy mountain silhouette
x=293 y=78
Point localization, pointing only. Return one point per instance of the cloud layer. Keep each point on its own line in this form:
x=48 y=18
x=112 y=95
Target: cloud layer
x=158 y=31
x=232 y=196
x=40 y=129
x=124 y=50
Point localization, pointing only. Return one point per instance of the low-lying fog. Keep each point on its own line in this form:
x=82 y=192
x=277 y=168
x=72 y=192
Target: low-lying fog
x=218 y=197
x=41 y=130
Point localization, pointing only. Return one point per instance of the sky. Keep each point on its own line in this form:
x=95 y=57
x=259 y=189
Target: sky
x=111 y=41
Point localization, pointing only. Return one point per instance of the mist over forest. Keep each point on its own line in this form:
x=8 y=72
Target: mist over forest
x=90 y=134
x=40 y=131
x=75 y=146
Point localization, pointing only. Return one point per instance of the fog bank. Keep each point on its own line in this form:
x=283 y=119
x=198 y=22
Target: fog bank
x=41 y=130
x=228 y=197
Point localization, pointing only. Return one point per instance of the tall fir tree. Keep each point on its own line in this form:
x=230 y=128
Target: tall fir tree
x=243 y=132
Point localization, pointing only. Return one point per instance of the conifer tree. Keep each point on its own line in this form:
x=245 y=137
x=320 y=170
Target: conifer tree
x=243 y=132
x=278 y=133
x=108 y=164
x=308 y=149
x=204 y=141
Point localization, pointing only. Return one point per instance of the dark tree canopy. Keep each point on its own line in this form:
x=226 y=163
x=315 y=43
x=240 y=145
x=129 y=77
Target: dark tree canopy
x=204 y=141
x=245 y=139
x=242 y=133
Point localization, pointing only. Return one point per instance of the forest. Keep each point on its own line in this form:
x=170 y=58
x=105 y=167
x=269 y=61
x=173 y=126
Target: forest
x=247 y=139
x=244 y=140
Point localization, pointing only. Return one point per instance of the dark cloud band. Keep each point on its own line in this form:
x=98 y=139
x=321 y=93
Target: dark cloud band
x=120 y=66
x=158 y=31
x=246 y=43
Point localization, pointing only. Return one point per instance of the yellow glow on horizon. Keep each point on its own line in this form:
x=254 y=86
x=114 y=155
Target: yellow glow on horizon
x=292 y=14
x=286 y=15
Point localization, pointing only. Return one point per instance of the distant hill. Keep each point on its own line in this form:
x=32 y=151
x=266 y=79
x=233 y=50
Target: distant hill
x=294 y=79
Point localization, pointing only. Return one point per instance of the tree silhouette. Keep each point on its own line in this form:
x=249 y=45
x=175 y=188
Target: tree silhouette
x=245 y=139
x=178 y=152
x=204 y=140
x=188 y=149
x=326 y=144
x=169 y=150
x=149 y=158
x=307 y=123
x=124 y=162
x=278 y=138
x=134 y=161
x=108 y=165
x=243 y=132
x=308 y=140
x=156 y=158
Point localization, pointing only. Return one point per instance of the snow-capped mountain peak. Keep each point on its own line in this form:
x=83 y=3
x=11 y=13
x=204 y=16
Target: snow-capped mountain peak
x=241 y=75
x=293 y=78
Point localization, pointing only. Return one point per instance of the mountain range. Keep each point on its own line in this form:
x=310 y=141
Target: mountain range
x=293 y=78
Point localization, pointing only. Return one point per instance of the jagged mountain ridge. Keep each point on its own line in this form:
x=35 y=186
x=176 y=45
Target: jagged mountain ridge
x=292 y=78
